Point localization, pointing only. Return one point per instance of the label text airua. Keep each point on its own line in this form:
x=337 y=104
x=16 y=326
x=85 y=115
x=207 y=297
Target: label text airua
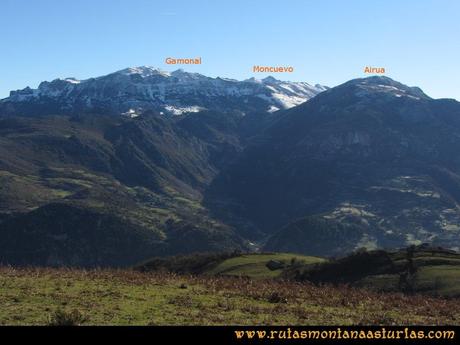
x=273 y=69
x=378 y=70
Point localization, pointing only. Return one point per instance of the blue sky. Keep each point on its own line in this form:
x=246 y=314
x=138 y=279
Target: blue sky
x=327 y=41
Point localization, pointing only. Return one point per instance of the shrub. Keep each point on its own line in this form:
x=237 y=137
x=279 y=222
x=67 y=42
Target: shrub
x=63 y=318
x=276 y=297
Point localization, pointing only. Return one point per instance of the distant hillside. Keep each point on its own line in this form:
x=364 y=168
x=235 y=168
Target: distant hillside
x=102 y=191
x=316 y=235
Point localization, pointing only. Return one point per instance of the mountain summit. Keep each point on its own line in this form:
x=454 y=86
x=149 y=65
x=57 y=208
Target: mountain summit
x=381 y=85
x=132 y=91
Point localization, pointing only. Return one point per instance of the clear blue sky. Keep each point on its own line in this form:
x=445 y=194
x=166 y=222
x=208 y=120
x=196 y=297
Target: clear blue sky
x=327 y=41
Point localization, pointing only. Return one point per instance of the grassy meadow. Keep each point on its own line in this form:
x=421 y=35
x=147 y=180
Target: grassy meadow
x=125 y=297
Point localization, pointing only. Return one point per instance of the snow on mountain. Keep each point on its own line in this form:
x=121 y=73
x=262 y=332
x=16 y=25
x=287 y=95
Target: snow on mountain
x=137 y=89
x=379 y=85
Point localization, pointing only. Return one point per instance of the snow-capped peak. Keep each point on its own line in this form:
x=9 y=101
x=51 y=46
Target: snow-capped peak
x=144 y=71
x=270 y=79
x=72 y=80
x=376 y=85
x=253 y=80
x=182 y=75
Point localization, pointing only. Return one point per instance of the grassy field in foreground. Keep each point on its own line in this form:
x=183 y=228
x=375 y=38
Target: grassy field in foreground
x=254 y=265
x=44 y=296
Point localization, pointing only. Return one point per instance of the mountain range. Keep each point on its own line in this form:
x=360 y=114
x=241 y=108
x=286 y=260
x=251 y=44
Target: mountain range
x=113 y=170
x=133 y=91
